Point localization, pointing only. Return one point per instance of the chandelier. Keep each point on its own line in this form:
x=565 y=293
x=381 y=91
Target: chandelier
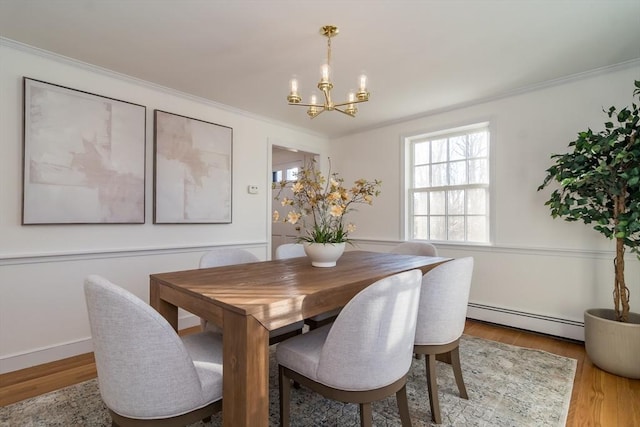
x=325 y=85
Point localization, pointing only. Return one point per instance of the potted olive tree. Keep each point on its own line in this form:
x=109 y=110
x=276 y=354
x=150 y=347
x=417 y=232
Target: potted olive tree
x=599 y=183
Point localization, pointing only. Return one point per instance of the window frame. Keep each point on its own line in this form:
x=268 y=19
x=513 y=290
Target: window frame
x=408 y=190
x=283 y=168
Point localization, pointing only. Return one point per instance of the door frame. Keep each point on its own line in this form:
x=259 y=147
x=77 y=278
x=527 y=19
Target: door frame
x=286 y=145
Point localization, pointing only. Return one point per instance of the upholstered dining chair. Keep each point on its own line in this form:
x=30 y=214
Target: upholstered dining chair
x=147 y=374
x=226 y=256
x=415 y=248
x=441 y=320
x=364 y=355
x=220 y=257
x=295 y=250
x=290 y=250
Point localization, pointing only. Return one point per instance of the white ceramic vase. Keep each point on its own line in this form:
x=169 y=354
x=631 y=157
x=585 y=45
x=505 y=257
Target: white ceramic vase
x=323 y=254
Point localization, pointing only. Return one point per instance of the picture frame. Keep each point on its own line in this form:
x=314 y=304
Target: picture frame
x=83 y=157
x=192 y=165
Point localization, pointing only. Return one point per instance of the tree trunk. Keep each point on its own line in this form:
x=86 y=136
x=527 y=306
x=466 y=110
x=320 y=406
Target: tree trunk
x=620 y=290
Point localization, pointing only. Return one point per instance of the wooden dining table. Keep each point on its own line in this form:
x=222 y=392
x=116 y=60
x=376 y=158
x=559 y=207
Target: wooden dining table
x=249 y=300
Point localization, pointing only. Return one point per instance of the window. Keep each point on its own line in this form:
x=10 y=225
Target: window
x=448 y=185
x=291 y=174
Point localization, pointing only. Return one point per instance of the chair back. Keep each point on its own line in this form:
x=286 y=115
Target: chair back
x=415 y=248
x=290 y=250
x=443 y=302
x=226 y=256
x=144 y=370
x=370 y=343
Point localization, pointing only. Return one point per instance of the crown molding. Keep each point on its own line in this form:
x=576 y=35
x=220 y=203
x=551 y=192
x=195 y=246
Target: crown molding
x=23 y=47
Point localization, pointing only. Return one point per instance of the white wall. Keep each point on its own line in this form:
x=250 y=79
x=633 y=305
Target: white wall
x=540 y=273
x=42 y=310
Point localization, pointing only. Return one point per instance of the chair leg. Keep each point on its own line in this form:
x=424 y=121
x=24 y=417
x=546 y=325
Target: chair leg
x=366 y=418
x=432 y=388
x=457 y=372
x=285 y=396
x=403 y=406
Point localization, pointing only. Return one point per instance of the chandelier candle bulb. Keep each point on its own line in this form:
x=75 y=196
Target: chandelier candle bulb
x=325 y=73
x=294 y=97
x=313 y=109
x=351 y=108
x=363 y=83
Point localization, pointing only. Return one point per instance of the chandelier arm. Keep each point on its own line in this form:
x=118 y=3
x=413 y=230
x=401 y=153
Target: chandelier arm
x=318 y=113
x=355 y=101
x=344 y=112
x=305 y=105
x=327 y=97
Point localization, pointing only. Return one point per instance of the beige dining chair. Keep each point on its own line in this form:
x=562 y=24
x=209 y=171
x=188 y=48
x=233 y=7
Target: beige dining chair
x=415 y=248
x=220 y=257
x=295 y=250
x=147 y=374
x=441 y=319
x=364 y=356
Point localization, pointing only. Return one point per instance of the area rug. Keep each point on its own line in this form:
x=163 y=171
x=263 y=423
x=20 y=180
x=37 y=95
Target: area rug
x=507 y=386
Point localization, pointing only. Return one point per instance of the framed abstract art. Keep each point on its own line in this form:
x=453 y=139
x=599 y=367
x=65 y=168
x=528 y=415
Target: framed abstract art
x=84 y=157
x=192 y=168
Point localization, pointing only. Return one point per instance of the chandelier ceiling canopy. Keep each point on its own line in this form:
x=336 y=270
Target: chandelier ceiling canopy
x=325 y=85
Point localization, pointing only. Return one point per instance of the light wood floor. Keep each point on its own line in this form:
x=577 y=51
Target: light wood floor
x=598 y=399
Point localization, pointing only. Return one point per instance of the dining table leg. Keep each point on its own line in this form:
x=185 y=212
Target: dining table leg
x=245 y=374
x=167 y=310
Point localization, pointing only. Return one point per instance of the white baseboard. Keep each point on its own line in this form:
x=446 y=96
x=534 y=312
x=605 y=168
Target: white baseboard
x=15 y=362
x=529 y=321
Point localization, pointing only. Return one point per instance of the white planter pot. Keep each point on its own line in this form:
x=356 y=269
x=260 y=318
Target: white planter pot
x=323 y=254
x=613 y=346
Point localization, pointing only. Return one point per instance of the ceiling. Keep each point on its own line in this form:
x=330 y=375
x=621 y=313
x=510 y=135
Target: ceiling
x=420 y=56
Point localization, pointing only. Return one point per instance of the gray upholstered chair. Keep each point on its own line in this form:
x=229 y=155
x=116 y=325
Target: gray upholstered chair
x=415 y=248
x=441 y=320
x=290 y=250
x=147 y=374
x=226 y=256
x=295 y=250
x=364 y=355
x=229 y=256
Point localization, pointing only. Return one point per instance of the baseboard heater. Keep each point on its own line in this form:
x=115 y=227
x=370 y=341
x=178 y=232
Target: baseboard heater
x=549 y=325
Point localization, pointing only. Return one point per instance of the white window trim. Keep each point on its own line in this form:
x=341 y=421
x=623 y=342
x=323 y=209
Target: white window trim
x=405 y=177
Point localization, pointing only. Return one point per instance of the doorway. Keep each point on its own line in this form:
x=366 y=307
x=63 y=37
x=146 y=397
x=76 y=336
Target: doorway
x=285 y=164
